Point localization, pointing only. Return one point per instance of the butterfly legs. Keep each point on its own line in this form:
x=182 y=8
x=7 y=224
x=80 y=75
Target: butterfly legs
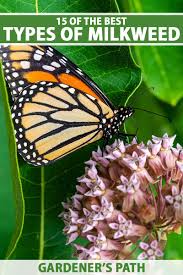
x=106 y=142
x=124 y=136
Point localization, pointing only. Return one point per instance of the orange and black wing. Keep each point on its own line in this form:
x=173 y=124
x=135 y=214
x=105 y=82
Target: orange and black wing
x=25 y=65
x=52 y=120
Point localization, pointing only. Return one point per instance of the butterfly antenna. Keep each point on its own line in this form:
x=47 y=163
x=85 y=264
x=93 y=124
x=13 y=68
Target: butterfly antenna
x=147 y=111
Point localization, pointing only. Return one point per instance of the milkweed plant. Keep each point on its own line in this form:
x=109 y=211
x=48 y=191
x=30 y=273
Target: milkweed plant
x=127 y=202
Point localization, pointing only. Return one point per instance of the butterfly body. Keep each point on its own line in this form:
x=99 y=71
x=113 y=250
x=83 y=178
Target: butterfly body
x=57 y=108
x=111 y=126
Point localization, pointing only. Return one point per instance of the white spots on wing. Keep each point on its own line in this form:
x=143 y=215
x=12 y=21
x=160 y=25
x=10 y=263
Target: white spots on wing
x=37 y=57
x=24 y=92
x=90 y=96
x=49 y=53
x=55 y=64
x=62 y=61
x=64 y=85
x=48 y=68
x=78 y=70
x=39 y=52
x=20 y=89
x=15 y=74
x=71 y=90
x=21 y=99
x=19 y=146
x=33 y=86
x=50 y=84
x=25 y=64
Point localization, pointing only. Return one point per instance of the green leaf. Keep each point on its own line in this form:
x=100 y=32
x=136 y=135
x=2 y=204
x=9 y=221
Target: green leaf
x=161 y=66
x=55 y=6
x=114 y=70
x=44 y=190
x=12 y=205
x=177 y=121
x=162 y=69
x=155 y=6
x=146 y=122
x=174 y=248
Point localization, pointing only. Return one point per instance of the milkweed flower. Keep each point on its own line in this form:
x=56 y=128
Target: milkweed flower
x=130 y=198
x=151 y=251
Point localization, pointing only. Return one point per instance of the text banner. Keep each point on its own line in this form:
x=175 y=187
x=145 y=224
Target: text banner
x=92 y=29
x=36 y=267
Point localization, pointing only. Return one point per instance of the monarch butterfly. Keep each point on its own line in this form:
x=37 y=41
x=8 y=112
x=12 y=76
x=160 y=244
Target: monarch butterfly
x=57 y=107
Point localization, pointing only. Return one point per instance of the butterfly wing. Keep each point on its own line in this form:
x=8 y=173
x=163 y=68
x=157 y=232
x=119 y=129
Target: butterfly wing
x=78 y=76
x=25 y=65
x=52 y=120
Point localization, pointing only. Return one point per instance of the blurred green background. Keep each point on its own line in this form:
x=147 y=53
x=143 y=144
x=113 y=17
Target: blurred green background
x=31 y=197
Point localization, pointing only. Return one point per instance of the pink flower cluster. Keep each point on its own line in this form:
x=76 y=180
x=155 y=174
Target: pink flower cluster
x=130 y=198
